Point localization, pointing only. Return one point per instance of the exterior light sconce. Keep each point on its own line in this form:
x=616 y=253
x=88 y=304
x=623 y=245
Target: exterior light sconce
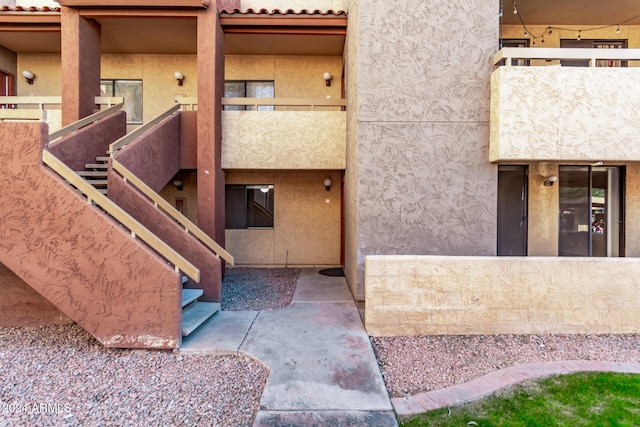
x=327 y=184
x=327 y=78
x=28 y=76
x=178 y=184
x=179 y=77
x=550 y=180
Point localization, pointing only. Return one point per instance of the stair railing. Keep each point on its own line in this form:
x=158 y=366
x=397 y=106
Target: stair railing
x=136 y=229
x=158 y=201
x=73 y=127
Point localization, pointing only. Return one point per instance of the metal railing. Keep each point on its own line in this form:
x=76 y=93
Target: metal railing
x=157 y=200
x=136 y=229
x=508 y=54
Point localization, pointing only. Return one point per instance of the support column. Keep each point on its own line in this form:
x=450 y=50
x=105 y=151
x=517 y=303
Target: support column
x=209 y=135
x=80 y=65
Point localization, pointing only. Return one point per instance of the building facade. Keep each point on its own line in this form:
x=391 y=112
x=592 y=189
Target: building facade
x=446 y=175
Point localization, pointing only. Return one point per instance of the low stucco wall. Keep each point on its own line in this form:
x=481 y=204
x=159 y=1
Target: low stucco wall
x=436 y=295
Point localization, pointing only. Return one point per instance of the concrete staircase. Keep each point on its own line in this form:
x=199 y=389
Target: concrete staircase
x=194 y=312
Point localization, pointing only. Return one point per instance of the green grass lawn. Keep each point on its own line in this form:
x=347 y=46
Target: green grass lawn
x=581 y=399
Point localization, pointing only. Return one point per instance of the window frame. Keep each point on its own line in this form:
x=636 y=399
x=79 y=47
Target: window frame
x=112 y=82
x=238 y=212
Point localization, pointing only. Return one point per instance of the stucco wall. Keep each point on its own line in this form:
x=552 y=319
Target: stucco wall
x=285 y=140
x=8 y=61
x=306 y=228
x=565 y=113
x=293 y=76
x=632 y=211
x=501 y=295
x=424 y=183
x=160 y=88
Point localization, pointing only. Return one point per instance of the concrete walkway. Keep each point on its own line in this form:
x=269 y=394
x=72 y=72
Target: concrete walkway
x=494 y=381
x=322 y=367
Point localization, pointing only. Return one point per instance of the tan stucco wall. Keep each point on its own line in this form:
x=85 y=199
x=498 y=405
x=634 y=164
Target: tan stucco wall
x=286 y=140
x=542 y=236
x=159 y=88
x=413 y=295
x=189 y=193
x=632 y=211
x=293 y=76
x=306 y=230
x=423 y=183
x=47 y=70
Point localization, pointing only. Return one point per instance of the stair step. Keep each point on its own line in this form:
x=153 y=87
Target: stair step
x=93 y=173
x=96 y=182
x=96 y=166
x=102 y=159
x=196 y=313
x=190 y=295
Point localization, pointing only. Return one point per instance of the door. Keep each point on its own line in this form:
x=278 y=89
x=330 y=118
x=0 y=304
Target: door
x=512 y=210
x=591 y=211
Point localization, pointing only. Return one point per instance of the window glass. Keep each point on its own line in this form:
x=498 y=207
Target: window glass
x=249 y=89
x=249 y=206
x=131 y=91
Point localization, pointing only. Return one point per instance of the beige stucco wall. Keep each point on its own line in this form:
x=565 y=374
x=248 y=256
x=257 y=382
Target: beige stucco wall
x=293 y=76
x=285 y=140
x=632 y=210
x=159 y=88
x=46 y=68
x=565 y=113
x=306 y=228
x=413 y=295
x=542 y=236
x=423 y=183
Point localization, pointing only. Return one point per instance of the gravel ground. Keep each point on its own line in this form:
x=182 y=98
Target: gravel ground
x=415 y=364
x=60 y=375
x=258 y=288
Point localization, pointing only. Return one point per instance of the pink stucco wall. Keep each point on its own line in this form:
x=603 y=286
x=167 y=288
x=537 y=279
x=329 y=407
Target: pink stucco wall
x=78 y=258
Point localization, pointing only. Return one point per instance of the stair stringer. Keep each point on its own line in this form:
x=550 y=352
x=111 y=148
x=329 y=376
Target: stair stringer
x=83 y=262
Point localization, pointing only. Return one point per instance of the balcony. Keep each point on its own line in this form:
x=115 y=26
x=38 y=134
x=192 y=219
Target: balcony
x=547 y=112
x=296 y=134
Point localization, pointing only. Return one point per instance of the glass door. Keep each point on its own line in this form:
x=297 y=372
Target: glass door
x=591 y=220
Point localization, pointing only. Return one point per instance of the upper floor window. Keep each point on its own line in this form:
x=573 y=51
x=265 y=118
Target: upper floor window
x=516 y=43
x=131 y=91
x=591 y=44
x=249 y=89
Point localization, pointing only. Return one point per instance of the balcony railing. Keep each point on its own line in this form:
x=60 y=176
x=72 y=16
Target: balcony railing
x=508 y=54
x=565 y=113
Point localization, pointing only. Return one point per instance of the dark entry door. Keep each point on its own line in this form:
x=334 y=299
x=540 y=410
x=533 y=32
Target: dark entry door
x=512 y=210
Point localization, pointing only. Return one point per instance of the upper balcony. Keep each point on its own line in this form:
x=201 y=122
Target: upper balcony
x=559 y=113
x=295 y=133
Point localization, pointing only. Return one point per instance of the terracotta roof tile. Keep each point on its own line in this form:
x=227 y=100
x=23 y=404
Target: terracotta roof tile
x=273 y=12
x=29 y=9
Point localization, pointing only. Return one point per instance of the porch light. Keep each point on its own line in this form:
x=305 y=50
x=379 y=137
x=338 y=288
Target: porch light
x=179 y=77
x=28 y=76
x=327 y=78
x=178 y=184
x=550 y=180
x=327 y=184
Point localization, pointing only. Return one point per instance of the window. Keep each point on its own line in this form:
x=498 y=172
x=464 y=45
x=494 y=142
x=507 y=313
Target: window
x=249 y=206
x=516 y=43
x=131 y=91
x=591 y=44
x=248 y=89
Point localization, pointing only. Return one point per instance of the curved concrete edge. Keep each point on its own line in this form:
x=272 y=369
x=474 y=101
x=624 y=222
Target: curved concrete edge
x=497 y=380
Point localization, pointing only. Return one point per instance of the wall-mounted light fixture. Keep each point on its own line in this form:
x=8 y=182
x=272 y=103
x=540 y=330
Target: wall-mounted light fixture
x=327 y=184
x=598 y=163
x=178 y=184
x=550 y=180
x=179 y=77
x=28 y=76
x=327 y=78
